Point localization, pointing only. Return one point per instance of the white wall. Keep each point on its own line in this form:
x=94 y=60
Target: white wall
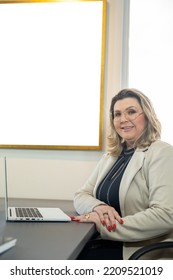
x=58 y=174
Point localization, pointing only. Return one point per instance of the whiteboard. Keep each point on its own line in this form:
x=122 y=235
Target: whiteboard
x=52 y=74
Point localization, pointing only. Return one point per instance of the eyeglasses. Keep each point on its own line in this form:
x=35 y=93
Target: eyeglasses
x=130 y=114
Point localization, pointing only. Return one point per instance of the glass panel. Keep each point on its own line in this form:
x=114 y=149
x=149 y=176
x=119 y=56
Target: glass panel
x=151 y=56
x=51 y=69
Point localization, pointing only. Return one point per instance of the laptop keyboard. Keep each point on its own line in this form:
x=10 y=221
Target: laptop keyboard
x=28 y=212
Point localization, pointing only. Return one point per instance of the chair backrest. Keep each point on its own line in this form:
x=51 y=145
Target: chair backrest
x=140 y=252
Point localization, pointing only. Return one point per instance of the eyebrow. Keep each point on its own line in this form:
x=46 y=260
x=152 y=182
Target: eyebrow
x=130 y=107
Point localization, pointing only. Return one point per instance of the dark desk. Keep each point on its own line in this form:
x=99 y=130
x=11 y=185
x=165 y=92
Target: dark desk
x=45 y=240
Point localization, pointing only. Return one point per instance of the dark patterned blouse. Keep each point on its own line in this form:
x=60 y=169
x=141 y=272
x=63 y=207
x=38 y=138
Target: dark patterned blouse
x=108 y=190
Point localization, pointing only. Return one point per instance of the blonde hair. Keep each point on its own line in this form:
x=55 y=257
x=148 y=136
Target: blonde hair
x=152 y=131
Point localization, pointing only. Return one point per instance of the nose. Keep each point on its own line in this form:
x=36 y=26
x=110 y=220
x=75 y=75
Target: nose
x=123 y=118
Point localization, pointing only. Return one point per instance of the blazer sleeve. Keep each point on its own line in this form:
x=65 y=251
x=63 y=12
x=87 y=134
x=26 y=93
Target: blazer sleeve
x=157 y=219
x=84 y=199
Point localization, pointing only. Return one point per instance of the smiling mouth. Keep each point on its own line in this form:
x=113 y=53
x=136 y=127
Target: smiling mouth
x=127 y=128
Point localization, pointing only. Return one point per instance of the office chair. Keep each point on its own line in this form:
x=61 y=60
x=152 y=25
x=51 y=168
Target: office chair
x=149 y=248
x=110 y=244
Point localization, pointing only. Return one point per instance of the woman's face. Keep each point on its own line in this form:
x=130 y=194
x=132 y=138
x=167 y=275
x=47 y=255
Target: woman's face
x=129 y=120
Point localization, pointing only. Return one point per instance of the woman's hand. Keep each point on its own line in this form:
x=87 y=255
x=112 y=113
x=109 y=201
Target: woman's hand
x=108 y=216
x=102 y=214
x=91 y=217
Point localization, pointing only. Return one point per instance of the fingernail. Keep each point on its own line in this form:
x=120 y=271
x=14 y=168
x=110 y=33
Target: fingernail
x=121 y=221
x=103 y=222
x=72 y=217
x=109 y=228
x=114 y=226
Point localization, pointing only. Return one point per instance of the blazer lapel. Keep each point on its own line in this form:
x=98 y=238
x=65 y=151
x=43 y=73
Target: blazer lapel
x=105 y=169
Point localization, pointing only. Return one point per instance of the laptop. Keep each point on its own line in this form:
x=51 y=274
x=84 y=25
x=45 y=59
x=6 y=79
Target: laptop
x=31 y=214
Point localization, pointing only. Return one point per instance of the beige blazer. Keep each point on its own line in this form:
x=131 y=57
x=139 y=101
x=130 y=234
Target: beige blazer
x=146 y=197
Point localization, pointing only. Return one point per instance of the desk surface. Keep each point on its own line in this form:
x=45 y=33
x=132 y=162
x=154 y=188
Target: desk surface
x=45 y=240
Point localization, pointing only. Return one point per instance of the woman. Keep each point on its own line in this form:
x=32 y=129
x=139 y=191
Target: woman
x=129 y=196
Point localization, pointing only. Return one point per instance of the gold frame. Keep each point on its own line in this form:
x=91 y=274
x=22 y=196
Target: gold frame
x=71 y=147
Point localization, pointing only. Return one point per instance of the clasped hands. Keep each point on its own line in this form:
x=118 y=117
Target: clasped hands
x=101 y=214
